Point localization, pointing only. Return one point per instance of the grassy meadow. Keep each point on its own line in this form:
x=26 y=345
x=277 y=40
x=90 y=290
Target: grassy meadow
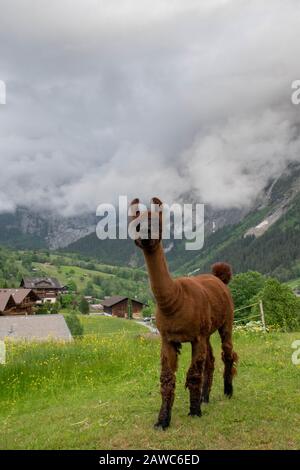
x=294 y=284
x=102 y=392
x=79 y=275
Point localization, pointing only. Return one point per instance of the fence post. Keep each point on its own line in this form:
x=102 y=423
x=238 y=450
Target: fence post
x=262 y=314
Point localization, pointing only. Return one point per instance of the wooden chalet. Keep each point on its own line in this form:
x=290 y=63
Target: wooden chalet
x=118 y=306
x=17 y=301
x=46 y=288
x=7 y=303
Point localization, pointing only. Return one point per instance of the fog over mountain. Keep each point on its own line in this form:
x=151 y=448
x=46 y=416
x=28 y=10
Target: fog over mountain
x=145 y=98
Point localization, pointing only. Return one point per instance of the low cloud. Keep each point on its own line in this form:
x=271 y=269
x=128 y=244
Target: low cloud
x=145 y=98
x=229 y=165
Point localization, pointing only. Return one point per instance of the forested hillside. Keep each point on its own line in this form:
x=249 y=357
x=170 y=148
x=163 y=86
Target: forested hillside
x=13 y=266
x=276 y=252
x=84 y=276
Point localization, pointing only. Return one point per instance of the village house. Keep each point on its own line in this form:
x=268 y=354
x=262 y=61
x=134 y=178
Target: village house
x=46 y=288
x=96 y=308
x=17 y=301
x=118 y=306
x=7 y=303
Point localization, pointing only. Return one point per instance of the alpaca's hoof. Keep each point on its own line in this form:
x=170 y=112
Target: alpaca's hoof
x=206 y=399
x=195 y=413
x=161 y=425
x=228 y=390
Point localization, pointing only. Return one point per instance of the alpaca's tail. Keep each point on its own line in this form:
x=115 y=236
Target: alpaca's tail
x=223 y=271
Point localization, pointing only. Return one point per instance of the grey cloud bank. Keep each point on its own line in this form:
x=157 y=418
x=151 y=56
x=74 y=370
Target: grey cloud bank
x=145 y=97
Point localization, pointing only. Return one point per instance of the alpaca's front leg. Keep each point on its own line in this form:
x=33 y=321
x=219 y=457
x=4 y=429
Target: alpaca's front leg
x=169 y=353
x=195 y=375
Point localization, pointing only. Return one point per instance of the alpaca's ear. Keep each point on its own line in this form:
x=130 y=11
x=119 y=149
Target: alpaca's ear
x=135 y=201
x=157 y=209
x=156 y=201
x=133 y=211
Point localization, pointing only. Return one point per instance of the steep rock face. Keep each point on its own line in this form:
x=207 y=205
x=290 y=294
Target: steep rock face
x=277 y=198
x=216 y=219
x=46 y=229
x=43 y=229
x=63 y=232
x=124 y=252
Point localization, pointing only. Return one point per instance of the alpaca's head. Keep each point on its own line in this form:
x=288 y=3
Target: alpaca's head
x=147 y=224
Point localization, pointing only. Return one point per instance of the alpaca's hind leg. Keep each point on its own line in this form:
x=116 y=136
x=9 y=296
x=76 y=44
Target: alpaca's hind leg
x=169 y=353
x=195 y=375
x=229 y=358
x=208 y=372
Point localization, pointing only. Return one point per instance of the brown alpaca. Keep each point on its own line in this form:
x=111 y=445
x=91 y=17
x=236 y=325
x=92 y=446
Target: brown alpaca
x=189 y=309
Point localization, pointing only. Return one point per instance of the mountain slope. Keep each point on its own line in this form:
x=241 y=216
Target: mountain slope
x=263 y=237
x=26 y=229
x=114 y=252
x=275 y=251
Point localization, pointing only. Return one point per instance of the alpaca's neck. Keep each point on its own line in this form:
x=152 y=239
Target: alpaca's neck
x=164 y=289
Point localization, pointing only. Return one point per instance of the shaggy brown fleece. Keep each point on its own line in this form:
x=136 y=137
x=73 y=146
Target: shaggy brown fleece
x=189 y=309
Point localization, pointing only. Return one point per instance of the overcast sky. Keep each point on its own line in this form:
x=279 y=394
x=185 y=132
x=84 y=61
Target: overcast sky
x=145 y=97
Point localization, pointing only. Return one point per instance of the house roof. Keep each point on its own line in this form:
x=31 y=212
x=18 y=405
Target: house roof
x=34 y=327
x=4 y=299
x=41 y=283
x=117 y=299
x=19 y=294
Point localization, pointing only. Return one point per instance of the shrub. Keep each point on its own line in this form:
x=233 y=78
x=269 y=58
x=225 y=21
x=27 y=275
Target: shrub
x=84 y=306
x=245 y=286
x=47 y=308
x=148 y=310
x=66 y=300
x=74 y=325
x=281 y=306
x=71 y=286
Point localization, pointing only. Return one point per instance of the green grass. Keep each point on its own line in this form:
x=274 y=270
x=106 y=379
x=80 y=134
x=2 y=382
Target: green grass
x=66 y=273
x=102 y=279
x=102 y=392
x=294 y=284
x=100 y=325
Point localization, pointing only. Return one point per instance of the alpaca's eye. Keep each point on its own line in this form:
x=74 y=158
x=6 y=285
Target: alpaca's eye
x=138 y=227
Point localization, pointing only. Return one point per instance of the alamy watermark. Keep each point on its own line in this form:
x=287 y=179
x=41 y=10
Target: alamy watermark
x=162 y=221
x=2 y=92
x=295 y=97
x=296 y=353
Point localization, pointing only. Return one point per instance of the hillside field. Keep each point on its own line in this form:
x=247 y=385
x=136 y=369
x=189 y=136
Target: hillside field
x=84 y=276
x=78 y=275
x=94 y=278
x=294 y=284
x=102 y=392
